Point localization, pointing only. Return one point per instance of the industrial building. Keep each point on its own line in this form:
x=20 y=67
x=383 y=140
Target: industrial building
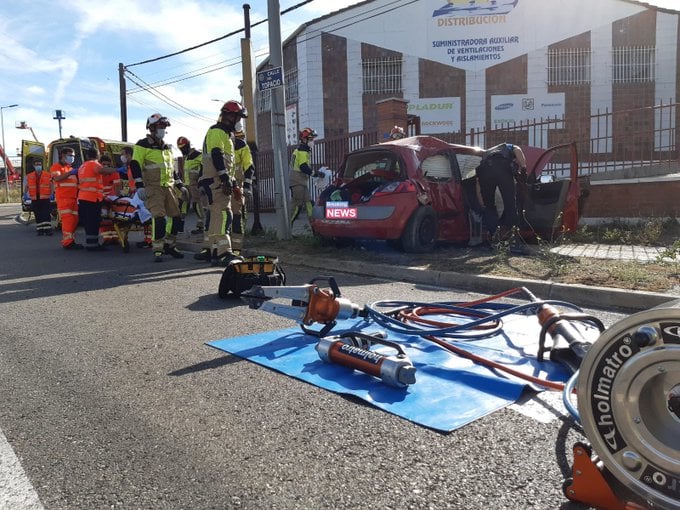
x=460 y=65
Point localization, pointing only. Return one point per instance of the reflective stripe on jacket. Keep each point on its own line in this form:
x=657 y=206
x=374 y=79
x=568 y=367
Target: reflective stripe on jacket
x=218 y=138
x=299 y=163
x=155 y=162
x=67 y=188
x=90 y=186
x=39 y=185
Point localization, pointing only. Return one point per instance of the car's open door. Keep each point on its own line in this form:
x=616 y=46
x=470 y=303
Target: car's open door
x=551 y=200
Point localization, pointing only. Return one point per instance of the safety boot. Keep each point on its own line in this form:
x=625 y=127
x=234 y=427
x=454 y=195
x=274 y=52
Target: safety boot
x=204 y=255
x=173 y=251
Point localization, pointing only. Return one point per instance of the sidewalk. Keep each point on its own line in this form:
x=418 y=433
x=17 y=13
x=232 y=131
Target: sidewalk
x=269 y=223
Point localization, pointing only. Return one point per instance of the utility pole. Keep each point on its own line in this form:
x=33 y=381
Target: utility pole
x=123 y=102
x=279 y=124
x=248 y=94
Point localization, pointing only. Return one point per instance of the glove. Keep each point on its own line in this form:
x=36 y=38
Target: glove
x=52 y=197
x=27 y=197
x=318 y=173
x=74 y=171
x=141 y=194
x=236 y=191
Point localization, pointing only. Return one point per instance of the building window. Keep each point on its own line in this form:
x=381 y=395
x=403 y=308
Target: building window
x=633 y=64
x=382 y=76
x=569 y=66
x=291 y=81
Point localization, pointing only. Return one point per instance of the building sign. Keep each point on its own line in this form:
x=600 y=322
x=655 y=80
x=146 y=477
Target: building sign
x=437 y=114
x=476 y=34
x=516 y=108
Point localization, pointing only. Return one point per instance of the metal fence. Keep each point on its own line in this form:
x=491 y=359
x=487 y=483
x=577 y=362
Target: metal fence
x=626 y=144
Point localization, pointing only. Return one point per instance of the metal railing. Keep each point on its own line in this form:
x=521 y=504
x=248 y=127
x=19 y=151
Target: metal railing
x=623 y=144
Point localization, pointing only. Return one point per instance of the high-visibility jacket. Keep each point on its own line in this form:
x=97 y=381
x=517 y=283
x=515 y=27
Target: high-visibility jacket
x=109 y=183
x=90 y=185
x=193 y=165
x=300 y=169
x=152 y=163
x=218 y=140
x=67 y=188
x=39 y=185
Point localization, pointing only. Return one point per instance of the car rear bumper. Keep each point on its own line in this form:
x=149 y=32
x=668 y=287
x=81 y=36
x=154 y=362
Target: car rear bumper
x=360 y=221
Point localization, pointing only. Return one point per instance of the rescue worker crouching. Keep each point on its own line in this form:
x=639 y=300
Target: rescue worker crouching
x=155 y=182
x=193 y=167
x=300 y=173
x=500 y=167
x=244 y=174
x=218 y=183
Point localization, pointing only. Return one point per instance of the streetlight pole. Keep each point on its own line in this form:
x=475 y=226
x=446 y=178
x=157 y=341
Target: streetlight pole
x=4 y=149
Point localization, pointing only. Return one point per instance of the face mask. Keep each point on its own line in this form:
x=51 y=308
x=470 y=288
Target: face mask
x=238 y=126
x=123 y=159
x=38 y=168
x=310 y=143
x=160 y=133
x=70 y=159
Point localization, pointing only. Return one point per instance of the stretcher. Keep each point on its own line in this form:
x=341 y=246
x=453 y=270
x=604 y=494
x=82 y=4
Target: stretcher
x=122 y=215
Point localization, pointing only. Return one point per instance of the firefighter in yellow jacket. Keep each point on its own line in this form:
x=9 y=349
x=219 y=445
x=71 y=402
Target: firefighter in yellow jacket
x=156 y=182
x=300 y=173
x=218 y=183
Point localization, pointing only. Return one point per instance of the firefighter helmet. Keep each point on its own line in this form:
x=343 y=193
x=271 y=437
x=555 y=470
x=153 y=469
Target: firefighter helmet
x=307 y=133
x=182 y=141
x=157 y=120
x=397 y=133
x=235 y=107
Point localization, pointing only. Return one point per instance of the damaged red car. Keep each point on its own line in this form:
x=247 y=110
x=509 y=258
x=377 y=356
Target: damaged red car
x=419 y=191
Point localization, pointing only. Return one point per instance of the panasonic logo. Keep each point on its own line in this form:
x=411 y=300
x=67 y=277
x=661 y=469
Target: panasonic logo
x=504 y=106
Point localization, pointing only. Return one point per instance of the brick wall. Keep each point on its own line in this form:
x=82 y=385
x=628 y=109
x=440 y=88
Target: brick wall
x=633 y=198
x=334 y=50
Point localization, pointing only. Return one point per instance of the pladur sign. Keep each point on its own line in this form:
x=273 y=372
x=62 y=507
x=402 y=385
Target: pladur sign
x=437 y=114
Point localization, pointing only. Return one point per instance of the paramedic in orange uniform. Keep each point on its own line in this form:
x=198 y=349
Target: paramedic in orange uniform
x=39 y=189
x=91 y=196
x=65 y=181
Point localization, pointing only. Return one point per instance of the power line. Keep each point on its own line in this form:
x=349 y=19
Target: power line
x=297 y=6
x=164 y=98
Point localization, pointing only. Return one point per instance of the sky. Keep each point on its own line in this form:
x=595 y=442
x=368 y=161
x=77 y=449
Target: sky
x=64 y=55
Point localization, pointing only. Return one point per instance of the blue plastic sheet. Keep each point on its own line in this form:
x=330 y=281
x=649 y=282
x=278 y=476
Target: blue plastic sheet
x=449 y=392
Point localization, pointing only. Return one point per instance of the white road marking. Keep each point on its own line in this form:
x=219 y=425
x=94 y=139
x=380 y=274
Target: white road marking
x=16 y=491
x=543 y=407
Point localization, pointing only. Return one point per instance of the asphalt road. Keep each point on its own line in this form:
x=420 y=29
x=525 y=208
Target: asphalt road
x=110 y=399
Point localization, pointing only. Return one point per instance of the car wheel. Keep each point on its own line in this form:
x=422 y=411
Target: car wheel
x=420 y=234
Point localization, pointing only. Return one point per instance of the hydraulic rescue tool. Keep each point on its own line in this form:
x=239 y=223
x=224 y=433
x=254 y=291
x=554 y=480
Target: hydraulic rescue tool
x=351 y=349
x=627 y=382
x=628 y=390
x=310 y=304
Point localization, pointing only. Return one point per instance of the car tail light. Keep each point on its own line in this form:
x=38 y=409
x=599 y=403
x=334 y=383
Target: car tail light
x=395 y=187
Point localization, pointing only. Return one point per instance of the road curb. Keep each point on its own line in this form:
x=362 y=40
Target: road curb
x=580 y=295
x=585 y=296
